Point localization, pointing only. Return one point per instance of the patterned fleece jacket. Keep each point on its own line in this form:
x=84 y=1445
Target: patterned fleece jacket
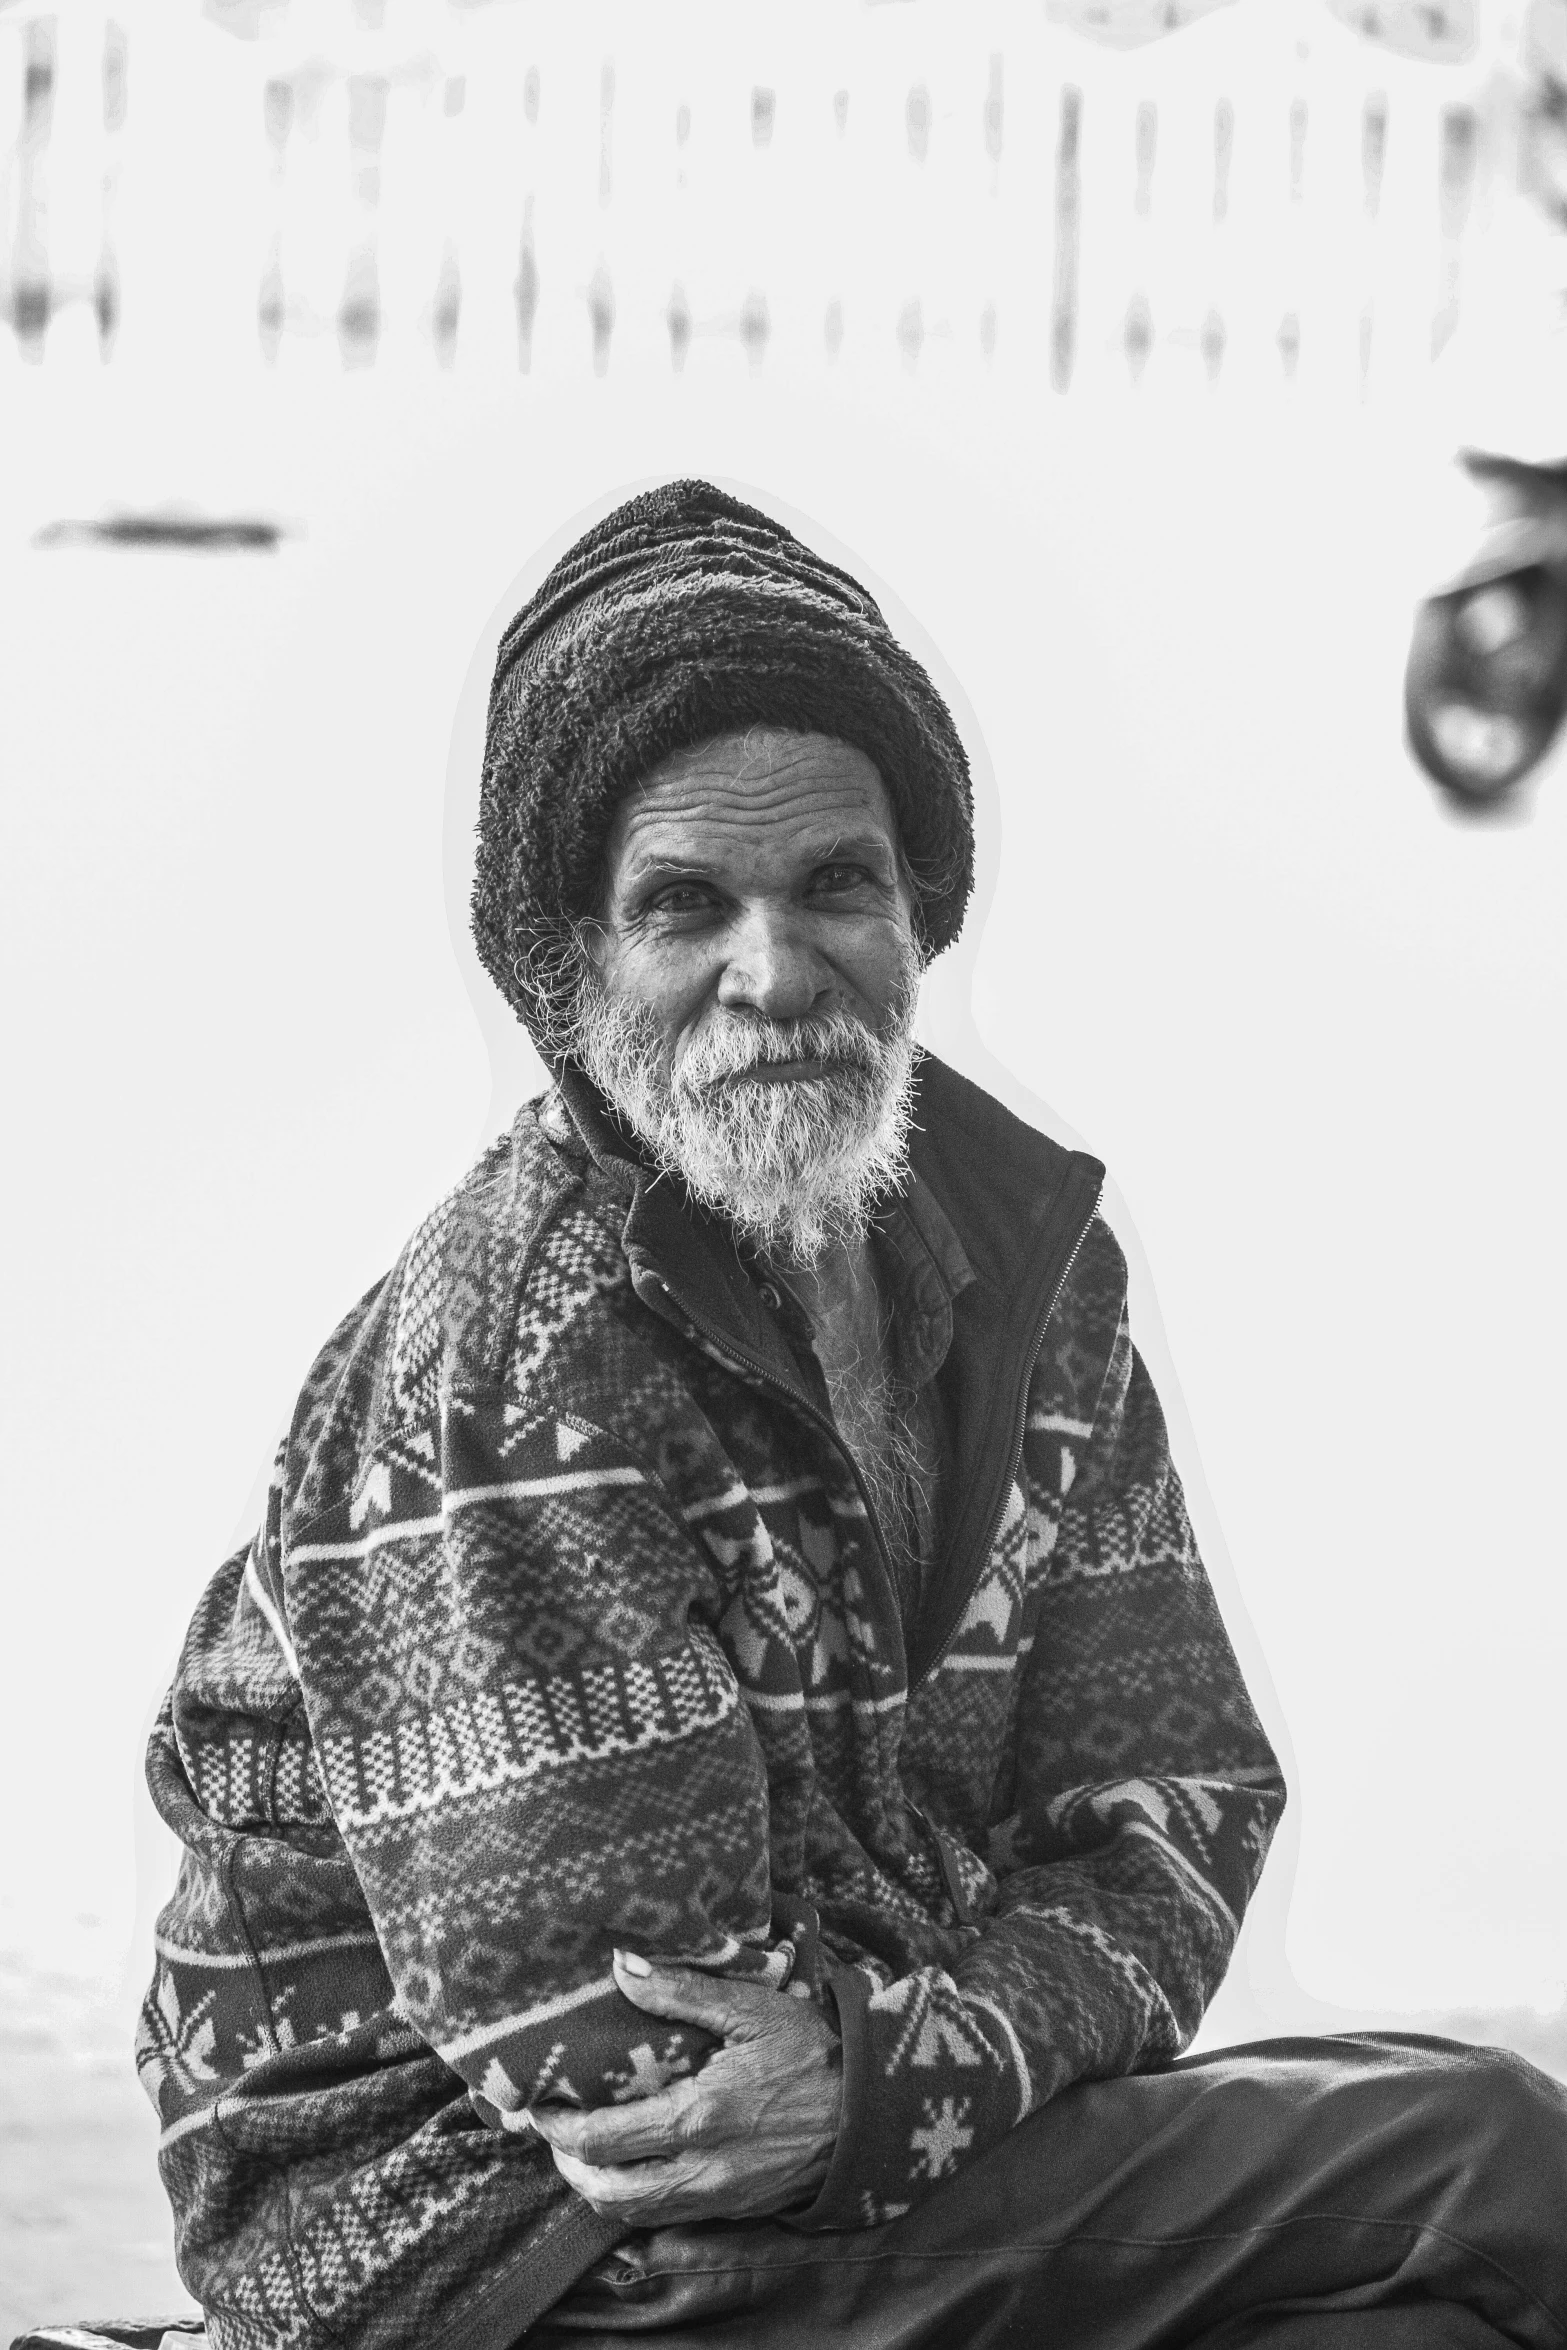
x=569 y=1626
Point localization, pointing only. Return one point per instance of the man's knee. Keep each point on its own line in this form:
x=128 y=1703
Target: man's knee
x=1495 y=2128
x=1517 y=2114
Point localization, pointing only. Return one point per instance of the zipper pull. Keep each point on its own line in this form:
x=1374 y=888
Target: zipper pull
x=946 y=1860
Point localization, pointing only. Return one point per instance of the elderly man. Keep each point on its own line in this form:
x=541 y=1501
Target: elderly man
x=719 y=1792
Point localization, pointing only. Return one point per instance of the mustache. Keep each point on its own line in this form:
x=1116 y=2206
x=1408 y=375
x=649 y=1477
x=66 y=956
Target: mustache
x=838 y=1041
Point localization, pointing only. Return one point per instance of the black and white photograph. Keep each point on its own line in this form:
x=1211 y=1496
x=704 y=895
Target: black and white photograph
x=785 y=904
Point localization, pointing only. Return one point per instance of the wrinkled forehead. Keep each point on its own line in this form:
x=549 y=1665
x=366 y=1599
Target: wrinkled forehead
x=755 y=797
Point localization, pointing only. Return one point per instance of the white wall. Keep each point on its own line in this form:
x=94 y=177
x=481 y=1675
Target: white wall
x=1236 y=944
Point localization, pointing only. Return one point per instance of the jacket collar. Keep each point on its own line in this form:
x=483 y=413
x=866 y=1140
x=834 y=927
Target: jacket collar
x=1020 y=1205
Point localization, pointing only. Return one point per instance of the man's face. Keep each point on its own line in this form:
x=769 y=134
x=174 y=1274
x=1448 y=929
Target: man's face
x=756 y=977
x=756 y=876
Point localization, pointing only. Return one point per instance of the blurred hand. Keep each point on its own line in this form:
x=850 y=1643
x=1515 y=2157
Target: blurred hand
x=751 y=2133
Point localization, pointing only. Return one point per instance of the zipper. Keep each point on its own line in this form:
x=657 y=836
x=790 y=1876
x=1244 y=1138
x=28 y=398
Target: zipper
x=947 y=1861
x=1017 y=1447
x=728 y=1353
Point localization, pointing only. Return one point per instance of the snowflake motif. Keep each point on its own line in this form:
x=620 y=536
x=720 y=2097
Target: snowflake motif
x=648 y=2072
x=183 y=2044
x=937 y=2146
x=270 y=2038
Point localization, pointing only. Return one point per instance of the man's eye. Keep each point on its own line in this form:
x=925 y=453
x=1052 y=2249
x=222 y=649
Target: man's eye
x=681 y=897
x=837 y=878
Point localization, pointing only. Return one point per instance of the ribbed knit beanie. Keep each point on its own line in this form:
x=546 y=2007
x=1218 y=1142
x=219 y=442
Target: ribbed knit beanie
x=684 y=615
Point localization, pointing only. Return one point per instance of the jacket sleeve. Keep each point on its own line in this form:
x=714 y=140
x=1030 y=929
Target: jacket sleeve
x=532 y=1744
x=1142 y=1798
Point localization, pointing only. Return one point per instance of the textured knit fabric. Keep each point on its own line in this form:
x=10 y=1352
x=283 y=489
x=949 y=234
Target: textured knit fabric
x=567 y=1627
x=684 y=615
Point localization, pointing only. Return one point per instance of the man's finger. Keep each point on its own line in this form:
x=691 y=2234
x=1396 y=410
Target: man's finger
x=735 y=2011
x=625 y=2189
x=638 y=2131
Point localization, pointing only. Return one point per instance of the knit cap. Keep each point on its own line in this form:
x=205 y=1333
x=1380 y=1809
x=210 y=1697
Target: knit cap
x=683 y=615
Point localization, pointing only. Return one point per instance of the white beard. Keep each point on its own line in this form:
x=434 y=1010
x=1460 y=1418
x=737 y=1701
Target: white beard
x=794 y=1167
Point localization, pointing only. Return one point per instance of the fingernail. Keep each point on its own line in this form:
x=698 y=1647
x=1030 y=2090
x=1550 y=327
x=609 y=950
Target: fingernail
x=629 y=1963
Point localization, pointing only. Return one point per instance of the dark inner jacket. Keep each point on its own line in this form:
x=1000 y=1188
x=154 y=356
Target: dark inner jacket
x=570 y=1626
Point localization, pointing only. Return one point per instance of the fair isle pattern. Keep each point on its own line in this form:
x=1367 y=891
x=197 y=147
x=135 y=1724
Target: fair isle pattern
x=481 y=1744
x=561 y=1632
x=578 y=1262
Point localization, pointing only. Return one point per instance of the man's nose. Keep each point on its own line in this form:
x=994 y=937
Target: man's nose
x=773 y=967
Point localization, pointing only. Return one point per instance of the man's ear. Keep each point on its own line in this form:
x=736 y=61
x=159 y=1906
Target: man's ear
x=593 y=937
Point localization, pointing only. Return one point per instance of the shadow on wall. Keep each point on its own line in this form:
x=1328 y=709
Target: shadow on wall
x=1260 y=1996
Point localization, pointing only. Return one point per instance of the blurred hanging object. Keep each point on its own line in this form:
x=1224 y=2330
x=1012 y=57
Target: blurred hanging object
x=271 y=309
x=359 y=311
x=1373 y=150
x=1128 y=24
x=1137 y=332
x=1137 y=336
x=1300 y=117
x=678 y=320
x=1458 y=156
x=994 y=122
x=525 y=290
x=1223 y=153
x=278 y=112
x=367 y=96
x=1147 y=137
x=995 y=110
x=30 y=290
x=277 y=117
x=1442 y=32
x=916 y=120
x=106 y=300
x=446 y=306
x=1543 y=161
x=1063 y=298
x=1373 y=164
x=755 y=326
x=1485 y=689
x=601 y=315
x=169 y=527
x=106 y=276
x=246 y=19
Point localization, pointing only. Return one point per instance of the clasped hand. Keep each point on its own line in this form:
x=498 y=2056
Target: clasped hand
x=751 y=2133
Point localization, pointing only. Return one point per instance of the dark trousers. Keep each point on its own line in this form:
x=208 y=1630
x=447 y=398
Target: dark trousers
x=1375 y=2192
